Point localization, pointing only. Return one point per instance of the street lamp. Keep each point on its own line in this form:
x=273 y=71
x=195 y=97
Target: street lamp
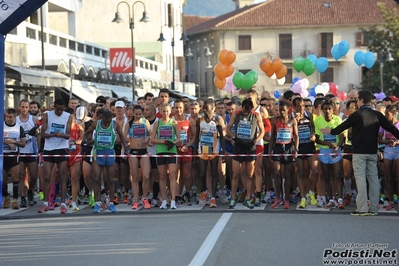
x=182 y=38
x=118 y=19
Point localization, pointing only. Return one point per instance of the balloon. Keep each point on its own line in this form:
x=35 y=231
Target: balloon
x=269 y=73
x=283 y=71
x=273 y=76
x=312 y=91
x=313 y=58
x=342 y=95
x=229 y=87
x=309 y=67
x=249 y=80
x=359 y=58
x=343 y=48
x=311 y=98
x=382 y=95
x=219 y=83
x=304 y=93
x=265 y=64
x=335 y=52
x=220 y=70
x=281 y=81
x=297 y=87
x=229 y=58
x=294 y=80
x=333 y=88
x=305 y=83
x=369 y=59
x=229 y=70
x=237 y=80
x=318 y=89
x=322 y=64
x=222 y=55
x=326 y=87
x=298 y=63
x=277 y=64
x=277 y=94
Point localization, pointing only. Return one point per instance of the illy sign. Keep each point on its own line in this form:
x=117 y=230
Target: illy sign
x=121 y=60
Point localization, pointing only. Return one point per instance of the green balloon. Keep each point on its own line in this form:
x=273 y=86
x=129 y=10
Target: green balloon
x=299 y=63
x=237 y=80
x=253 y=76
x=309 y=68
x=249 y=80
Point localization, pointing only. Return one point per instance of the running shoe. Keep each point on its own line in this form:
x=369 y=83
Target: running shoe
x=43 y=209
x=154 y=203
x=213 y=203
x=312 y=199
x=31 y=200
x=232 y=204
x=249 y=204
x=276 y=203
x=382 y=198
x=257 y=202
x=395 y=199
x=241 y=196
x=125 y=198
x=50 y=206
x=390 y=206
x=267 y=197
x=41 y=195
x=96 y=208
x=303 y=204
x=373 y=213
x=386 y=203
x=146 y=204
x=347 y=199
x=112 y=208
x=164 y=205
x=6 y=203
x=92 y=202
x=86 y=199
x=106 y=203
x=116 y=200
x=330 y=204
x=57 y=202
x=135 y=206
x=24 y=204
x=74 y=206
x=320 y=203
x=222 y=196
x=357 y=213
x=15 y=205
x=186 y=199
x=63 y=209
x=341 y=204
x=203 y=197
x=173 y=205
x=286 y=204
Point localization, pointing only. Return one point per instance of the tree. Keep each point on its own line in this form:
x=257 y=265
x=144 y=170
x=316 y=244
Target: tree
x=385 y=43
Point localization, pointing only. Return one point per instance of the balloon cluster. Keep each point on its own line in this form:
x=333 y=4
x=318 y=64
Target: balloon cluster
x=380 y=96
x=224 y=68
x=246 y=81
x=326 y=87
x=300 y=86
x=368 y=59
x=339 y=50
x=274 y=69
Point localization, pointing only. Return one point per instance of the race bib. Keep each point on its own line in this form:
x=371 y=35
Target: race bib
x=283 y=135
x=137 y=131
x=329 y=138
x=244 y=130
x=207 y=139
x=104 y=139
x=165 y=132
x=13 y=136
x=304 y=134
x=57 y=128
x=183 y=136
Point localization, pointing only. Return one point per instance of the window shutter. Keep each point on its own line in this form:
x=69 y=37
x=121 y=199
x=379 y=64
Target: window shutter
x=359 y=39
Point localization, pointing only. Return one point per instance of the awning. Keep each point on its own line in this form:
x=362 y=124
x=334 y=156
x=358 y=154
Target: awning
x=37 y=77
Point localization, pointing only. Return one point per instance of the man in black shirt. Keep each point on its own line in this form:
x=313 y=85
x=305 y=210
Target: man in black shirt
x=365 y=124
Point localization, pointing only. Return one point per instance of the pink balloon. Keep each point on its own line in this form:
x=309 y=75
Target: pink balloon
x=229 y=87
x=342 y=95
x=297 y=87
x=304 y=93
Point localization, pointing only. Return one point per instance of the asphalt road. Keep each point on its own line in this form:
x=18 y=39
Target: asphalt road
x=187 y=236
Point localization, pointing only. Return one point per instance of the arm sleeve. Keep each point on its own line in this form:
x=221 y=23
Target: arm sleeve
x=346 y=124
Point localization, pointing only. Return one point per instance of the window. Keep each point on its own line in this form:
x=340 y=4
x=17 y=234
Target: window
x=81 y=47
x=72 y=45
x=288 y=77
x=285 y=46
x=96 y=51
x=328 y=75
x=30 y=33
x=63 y=42
x=244 y=42
x=325 y=44
x=53 y=39
x=44 y=36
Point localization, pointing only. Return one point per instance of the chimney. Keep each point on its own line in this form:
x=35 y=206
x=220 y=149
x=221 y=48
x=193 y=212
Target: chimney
x=242 y=3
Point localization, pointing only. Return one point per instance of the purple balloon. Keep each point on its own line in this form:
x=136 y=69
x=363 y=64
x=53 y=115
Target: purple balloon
x=297 y=87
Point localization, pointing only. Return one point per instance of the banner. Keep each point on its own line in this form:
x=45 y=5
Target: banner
x=7 y=7
x=121 y=60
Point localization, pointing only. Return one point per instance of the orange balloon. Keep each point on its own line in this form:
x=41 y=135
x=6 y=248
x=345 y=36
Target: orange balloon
x=219 y=83
x=229 y=58
x=282 y=72
x=229 y=70
x=265 y=64
x=220 y=70
x=222 y=55
x=269 y=73
x=277 y=64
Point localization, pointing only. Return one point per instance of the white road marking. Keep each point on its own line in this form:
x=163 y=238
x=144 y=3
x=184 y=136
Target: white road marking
x=210 y=241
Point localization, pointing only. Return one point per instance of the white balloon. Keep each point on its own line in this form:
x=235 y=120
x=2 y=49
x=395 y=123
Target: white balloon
x=304 y=93
x=274 y=76
x=305 y=83
x=319 y=89
x=326 y=87
x=281 y=81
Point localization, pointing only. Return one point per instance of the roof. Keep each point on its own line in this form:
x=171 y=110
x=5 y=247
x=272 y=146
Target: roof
x=296 y=13
x=192 y=20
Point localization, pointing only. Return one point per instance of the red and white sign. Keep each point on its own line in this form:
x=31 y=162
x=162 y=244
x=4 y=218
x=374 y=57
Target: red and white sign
x=121 y=60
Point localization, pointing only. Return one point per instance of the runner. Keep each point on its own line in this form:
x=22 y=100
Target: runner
x=221 y=111
x=249 y=129
x=56 y=129
x=14 y=138
x=166 y=136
